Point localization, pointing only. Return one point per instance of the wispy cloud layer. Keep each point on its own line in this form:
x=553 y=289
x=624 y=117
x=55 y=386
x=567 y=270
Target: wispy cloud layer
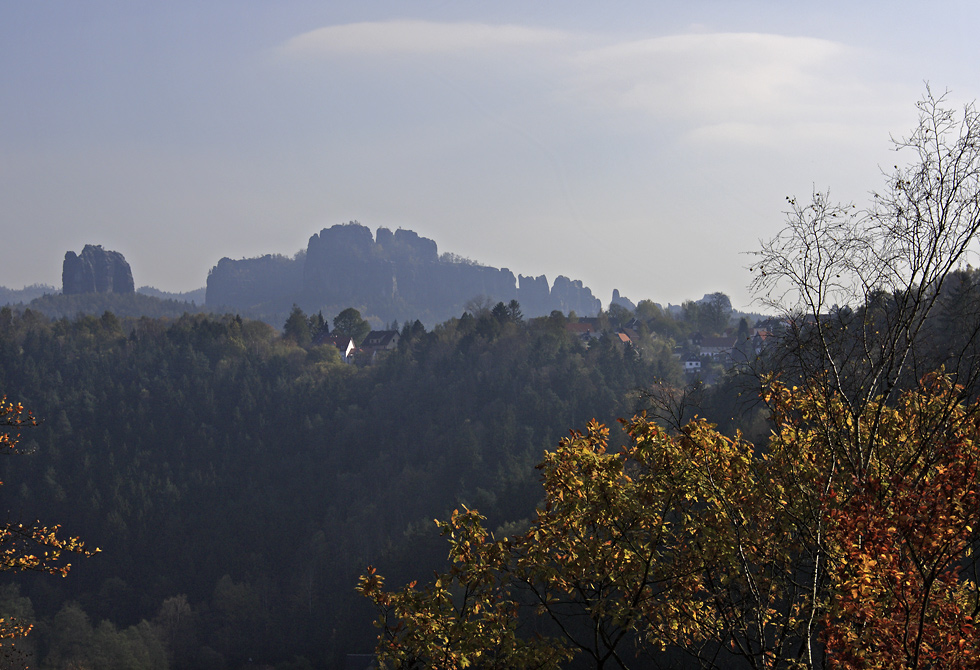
x=741 y=88
x=416 y=37
x=736 y=87
x=505 y=134
x=707 y=73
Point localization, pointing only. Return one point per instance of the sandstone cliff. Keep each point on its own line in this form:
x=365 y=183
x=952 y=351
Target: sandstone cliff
x=390 y=275
x=96 y=270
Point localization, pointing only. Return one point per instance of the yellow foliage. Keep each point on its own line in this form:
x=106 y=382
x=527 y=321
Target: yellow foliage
x=25 y=546
x=778 y=554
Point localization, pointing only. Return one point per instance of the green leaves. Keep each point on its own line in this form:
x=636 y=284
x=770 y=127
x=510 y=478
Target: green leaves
x=465 y=618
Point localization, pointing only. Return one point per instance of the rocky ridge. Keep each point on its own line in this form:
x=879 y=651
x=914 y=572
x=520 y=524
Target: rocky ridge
x=390 y=275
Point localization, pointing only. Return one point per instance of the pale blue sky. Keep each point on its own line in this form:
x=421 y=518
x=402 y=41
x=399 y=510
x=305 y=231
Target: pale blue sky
x=633 y=145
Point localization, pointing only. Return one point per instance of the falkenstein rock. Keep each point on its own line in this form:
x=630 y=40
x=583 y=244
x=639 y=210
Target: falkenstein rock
x=391 y=275
x=96 y=270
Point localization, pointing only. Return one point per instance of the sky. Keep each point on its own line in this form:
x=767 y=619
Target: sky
x=639 y=146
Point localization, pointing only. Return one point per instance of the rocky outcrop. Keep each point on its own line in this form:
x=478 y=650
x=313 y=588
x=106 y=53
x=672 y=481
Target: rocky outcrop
x=391 y=275
x=618 y=299
x=255 y=285
x=96 y=270
x=535 y=295
x=572 y=296
x=345 y=266
x=407 y=246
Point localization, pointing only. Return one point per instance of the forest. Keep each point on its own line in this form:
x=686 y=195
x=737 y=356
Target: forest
x=238 y=479
x=238 y=483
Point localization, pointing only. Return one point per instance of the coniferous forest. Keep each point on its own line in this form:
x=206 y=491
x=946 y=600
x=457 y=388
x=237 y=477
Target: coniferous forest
x=238 y=478
x=238 y=483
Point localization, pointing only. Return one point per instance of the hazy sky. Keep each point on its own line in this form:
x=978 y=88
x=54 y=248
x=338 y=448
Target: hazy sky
x=634 y=145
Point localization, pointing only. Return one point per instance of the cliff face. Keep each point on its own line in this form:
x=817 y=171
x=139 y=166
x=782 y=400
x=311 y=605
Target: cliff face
x=572 y=296
x=345 y=265
x=391 y=276
x=96 y=270
x=255 y=284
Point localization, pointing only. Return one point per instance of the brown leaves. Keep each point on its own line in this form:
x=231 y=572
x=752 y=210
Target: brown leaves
x=902 y=536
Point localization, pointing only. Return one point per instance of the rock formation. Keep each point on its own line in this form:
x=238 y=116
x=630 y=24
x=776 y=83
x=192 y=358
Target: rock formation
x=392 y=276
x=572 y=296
x=254 y=285
x=96 y=270
x=618 y=299
x=535 y=295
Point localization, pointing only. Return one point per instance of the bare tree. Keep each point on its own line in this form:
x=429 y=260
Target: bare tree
x=857 y=287
x=860 y=292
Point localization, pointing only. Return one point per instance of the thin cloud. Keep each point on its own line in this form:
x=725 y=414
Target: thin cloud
x=774 y=135
x=732 y=85
x=387 y=38
x=741 y=88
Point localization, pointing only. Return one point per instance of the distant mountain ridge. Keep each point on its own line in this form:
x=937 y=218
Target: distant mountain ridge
x=11 y=296
x=195 y=297
x=390 y=275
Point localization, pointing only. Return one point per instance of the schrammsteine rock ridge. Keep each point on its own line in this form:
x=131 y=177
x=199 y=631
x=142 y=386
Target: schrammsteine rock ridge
x=391 y=275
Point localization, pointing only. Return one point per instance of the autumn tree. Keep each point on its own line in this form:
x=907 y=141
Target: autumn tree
x=857 y=286
x=785 y=557
x=859 y=291
x=28 y=546
x=466 y=618
x=902 y=538
x=592 y=566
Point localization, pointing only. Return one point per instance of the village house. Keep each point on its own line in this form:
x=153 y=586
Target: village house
x=718 y=347
x=377 y=343
x=583 y=330
x=692 y=364
x=343 y=343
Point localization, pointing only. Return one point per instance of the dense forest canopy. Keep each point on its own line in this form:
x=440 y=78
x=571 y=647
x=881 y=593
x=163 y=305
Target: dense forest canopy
x=230 y=474
x=238 y=483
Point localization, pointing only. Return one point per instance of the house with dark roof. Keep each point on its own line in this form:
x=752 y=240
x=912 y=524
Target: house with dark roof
x=378 y=342
x=718 y=347
x=385 y=340
x=342 y=342
x=582 y=329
